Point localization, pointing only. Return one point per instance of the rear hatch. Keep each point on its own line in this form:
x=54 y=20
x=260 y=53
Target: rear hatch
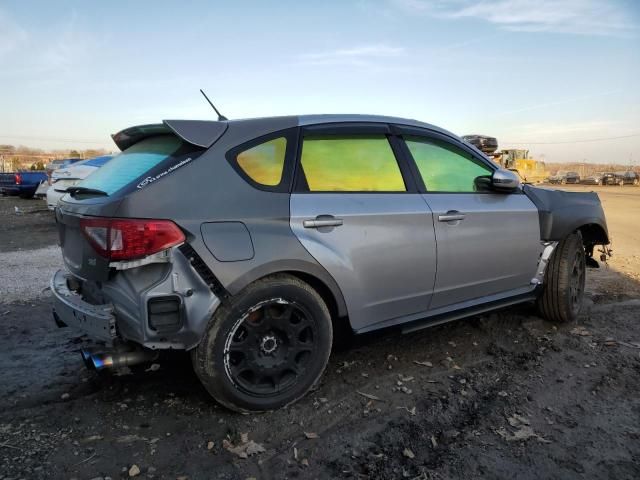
x=87 y=228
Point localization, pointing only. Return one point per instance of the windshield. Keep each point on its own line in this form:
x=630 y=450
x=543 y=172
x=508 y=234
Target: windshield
x=132 y=163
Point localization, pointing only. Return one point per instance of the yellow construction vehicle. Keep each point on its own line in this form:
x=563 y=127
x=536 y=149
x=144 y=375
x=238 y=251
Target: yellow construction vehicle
x=529 y=169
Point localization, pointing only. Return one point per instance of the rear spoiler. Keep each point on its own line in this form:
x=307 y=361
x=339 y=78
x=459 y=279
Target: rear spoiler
x=201 y=133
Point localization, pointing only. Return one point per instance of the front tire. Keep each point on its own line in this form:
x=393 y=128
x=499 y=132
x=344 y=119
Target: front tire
x=564 y=280
x=266 y=347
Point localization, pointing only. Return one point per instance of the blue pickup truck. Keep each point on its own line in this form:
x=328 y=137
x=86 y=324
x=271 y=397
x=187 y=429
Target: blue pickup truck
x=24 y=184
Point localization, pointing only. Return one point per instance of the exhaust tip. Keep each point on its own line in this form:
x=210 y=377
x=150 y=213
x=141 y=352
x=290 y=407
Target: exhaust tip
x=101 y=361
x=113 y=359
x=86 y=359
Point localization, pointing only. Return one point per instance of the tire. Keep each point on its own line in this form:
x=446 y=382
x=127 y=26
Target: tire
x=564 y=279
x=266 y=347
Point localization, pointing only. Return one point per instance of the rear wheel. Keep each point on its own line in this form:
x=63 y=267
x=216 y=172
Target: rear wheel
x=267 y=347
x=563 y=287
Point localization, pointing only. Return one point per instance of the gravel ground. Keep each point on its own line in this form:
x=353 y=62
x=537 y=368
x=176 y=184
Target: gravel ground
x=499 y=396
x=26 y=273
x=29 y=227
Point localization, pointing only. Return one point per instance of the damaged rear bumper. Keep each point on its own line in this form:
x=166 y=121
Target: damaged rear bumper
x=70 y=310
x=157 y=305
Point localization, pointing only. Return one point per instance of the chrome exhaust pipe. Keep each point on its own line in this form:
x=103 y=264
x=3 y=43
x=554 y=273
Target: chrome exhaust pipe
x=114 y=359
x=86 y=359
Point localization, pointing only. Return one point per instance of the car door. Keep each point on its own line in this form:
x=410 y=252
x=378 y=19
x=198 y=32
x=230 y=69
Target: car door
x=356 y=209
x=488 y=243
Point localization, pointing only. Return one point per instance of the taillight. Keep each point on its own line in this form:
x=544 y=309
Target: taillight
x=18 y=178
x=128 y=239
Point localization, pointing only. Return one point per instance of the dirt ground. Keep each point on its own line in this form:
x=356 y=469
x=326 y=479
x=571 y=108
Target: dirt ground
x=506 y=395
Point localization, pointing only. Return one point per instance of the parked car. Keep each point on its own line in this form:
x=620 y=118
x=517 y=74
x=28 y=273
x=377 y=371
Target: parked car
x=557 y=177
x=595 y=179
x=63 y=178
x=23 y=184
x=563 y=178
x=621 y=178
x=630 y=178
x=253 y=243
x=60 y=163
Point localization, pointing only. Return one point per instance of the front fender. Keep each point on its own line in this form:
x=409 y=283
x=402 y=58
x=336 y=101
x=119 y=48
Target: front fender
x=561 y=213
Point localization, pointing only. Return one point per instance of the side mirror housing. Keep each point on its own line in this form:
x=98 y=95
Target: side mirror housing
x=504 y=180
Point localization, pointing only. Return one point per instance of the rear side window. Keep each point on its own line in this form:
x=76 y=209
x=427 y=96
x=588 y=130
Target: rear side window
x=350 y=164
x=133 y=162
x=264 y=163
x=444 y=168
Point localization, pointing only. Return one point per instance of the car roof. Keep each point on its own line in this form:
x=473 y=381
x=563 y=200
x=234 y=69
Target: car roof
x=329 y=118
x=343 y=118
x=204 y=133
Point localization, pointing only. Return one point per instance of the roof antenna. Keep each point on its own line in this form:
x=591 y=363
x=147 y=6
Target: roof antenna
x=221 y=117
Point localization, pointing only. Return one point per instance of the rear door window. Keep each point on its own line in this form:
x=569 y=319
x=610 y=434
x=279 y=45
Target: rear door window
x=134 y=162
x=350 y=164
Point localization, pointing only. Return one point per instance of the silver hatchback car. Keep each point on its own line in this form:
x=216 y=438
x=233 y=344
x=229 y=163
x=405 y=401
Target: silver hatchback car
x=250 y=242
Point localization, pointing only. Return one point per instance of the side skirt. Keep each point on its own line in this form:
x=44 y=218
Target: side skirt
x=414 y=322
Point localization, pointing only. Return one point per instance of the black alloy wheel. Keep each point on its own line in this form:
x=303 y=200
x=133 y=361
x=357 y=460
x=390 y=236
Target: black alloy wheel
x=269 y=348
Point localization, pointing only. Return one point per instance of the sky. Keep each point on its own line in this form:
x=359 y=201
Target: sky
x=546 y=75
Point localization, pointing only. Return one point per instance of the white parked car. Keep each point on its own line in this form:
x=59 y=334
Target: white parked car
x=66 y=177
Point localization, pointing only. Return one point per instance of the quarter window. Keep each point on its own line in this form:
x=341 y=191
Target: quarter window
x=350 y=164
x=264 y=163
x=444 y=168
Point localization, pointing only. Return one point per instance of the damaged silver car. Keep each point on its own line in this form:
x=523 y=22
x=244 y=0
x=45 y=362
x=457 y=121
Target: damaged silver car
x=251 y=243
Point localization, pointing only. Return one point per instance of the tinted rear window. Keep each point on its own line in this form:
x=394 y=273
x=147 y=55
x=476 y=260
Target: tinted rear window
x=350 y=164
x=132 y=163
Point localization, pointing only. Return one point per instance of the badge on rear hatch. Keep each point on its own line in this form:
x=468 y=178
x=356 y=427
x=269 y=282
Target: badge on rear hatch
x=173 y=168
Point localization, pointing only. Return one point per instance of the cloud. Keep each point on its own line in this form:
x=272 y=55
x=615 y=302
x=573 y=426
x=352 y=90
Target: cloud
x=584 y=17
x=357 y=56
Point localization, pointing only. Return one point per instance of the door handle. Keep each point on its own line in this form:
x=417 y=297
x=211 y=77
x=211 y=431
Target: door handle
x=451 y=216
x=322 y=222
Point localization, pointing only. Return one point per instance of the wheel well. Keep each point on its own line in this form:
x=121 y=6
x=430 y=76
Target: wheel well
x=322 y=289
x=593 y=234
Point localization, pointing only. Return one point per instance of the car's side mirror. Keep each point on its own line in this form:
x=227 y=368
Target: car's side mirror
x=505 y=180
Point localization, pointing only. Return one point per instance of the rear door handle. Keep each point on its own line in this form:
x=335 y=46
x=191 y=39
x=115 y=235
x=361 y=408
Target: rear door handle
x=322 y=222
x=451 y=216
